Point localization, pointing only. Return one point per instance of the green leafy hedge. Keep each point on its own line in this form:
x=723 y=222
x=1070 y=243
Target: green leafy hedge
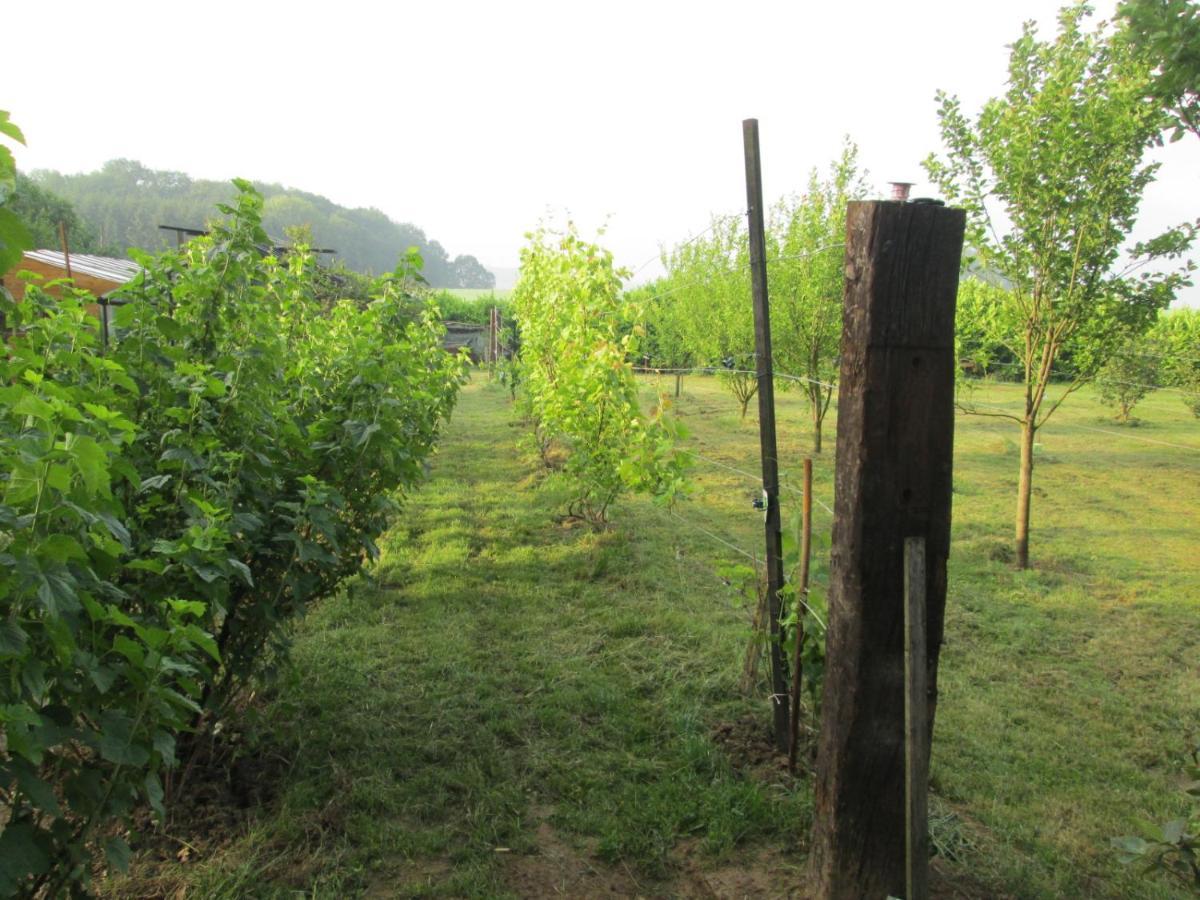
x=170 y=502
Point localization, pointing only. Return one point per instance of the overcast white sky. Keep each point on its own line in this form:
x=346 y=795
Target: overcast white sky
x=472 y=120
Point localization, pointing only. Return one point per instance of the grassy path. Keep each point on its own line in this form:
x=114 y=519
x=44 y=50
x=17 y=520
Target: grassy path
x=513 y=708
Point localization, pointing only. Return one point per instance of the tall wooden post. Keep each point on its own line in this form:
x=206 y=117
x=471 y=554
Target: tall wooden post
x=894 y=441
x=766 y=426
x=66 y=248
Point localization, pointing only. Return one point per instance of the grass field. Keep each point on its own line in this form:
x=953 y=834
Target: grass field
x=477 y=293
x=511 y=707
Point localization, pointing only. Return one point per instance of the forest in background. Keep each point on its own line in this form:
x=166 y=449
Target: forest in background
x=122 y=204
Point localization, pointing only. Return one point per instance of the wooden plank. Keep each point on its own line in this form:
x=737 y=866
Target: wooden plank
x=894 y=441
x=766 y=426
x=916 y=718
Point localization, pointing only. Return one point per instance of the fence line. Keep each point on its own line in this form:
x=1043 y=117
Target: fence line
x=715 y=537
x=799 y=599
x=757 y=479
x=727 y=370
x=717 y=220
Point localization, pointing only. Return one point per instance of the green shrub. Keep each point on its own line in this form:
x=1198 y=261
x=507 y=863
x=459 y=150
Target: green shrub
x=169 y=503
x=577 y=335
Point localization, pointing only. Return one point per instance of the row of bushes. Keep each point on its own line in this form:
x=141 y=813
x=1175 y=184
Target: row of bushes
x=169 y=502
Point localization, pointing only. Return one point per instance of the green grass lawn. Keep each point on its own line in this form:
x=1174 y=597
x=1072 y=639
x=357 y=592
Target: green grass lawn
x=511 y=707
x=477 y=293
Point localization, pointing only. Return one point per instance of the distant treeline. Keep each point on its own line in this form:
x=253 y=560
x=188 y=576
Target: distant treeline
x=122 y=204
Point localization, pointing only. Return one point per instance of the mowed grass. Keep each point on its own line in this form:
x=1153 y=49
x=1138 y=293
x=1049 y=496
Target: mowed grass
x=1068 y=692
x=478 y=293
x=511 y=707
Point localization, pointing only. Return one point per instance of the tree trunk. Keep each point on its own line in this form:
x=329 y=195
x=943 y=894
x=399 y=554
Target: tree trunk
x=816 y=414
x=1025 y=492
x=678 y=379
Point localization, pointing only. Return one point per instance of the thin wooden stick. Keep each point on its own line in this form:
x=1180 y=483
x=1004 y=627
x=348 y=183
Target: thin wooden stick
x=801 y=601
x=916 y=723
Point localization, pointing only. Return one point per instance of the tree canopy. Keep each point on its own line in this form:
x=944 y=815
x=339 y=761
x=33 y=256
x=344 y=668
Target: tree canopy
x=1166 y=33
x=42 y=211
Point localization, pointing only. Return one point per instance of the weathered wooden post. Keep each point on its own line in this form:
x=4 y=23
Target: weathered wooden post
x=894 y=443
x=766 y=426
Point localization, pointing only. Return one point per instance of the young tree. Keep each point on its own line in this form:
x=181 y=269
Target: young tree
x=983 y=326
x=578 y=335
x=806 y=278
x=1128 y=376
x=709 y=283
x=1051 y=175
x=666 y=345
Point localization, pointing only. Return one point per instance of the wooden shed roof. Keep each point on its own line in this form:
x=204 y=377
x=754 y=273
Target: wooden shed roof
x=107 y=268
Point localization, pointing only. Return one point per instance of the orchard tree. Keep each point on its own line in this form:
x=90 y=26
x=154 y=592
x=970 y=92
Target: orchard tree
x=983 y=326
x=1051 y=175
x=1128 y=375
x=806 y=278
x=667 y=345
x=577 y=336
x=709 y=283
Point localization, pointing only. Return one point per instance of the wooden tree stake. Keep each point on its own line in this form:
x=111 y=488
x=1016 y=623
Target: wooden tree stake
x=801 y=600
x=916 y=718
x=766 y=426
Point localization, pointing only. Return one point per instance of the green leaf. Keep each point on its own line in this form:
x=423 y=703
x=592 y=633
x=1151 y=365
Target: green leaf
x=8 y=127
x=37 y=790
x=243 y=570
x=92 y=462
x=187 y=607
x=129 y=649
x=154 y=792
x=103 y=677
x=13 y=638
x=116 y=742
x=153 y=483
x=60 y=548
x=1174 y=830
x=118 y=854
x=33 y=405
x=21 y=857
x=56 y=593
x=164 y=743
